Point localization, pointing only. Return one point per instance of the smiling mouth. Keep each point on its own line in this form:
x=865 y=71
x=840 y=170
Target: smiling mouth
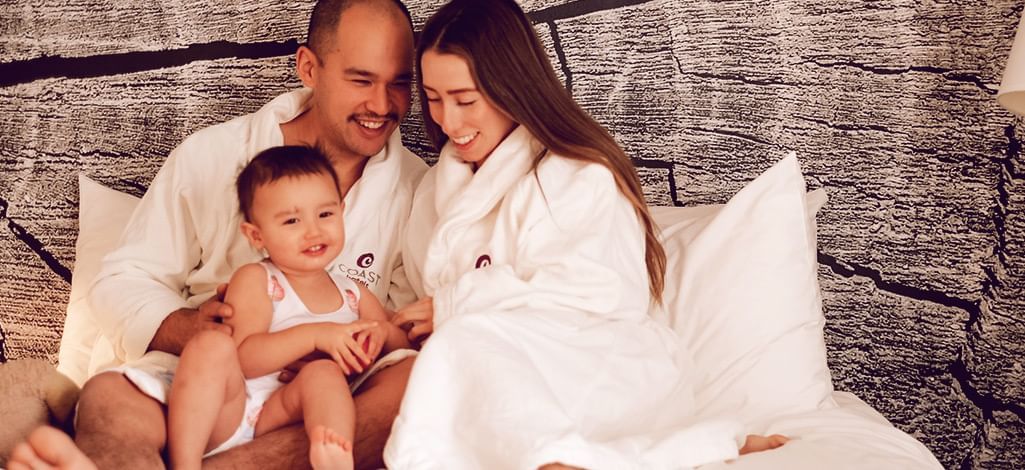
x=373 y=122
x=463 y=140
x=315 y=249
x=372 y=125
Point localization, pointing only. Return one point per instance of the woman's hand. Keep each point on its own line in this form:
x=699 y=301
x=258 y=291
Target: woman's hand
x=339 y=341
x=417 y=320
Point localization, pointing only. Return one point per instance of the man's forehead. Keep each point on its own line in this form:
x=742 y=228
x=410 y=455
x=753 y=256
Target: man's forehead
x=372 y=58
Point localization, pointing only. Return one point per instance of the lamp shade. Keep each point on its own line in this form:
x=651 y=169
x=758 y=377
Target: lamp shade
x=1012 y=86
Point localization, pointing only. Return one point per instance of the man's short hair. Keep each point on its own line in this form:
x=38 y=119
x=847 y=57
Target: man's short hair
x=275 y=163
x=325 y=17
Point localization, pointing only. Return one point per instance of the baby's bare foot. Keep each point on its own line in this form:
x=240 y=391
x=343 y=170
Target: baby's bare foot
x=757 y=443
x=48 y=448
x=329 y=450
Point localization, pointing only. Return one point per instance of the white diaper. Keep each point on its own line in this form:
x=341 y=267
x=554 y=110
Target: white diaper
x=151 y=374
x=247 y=428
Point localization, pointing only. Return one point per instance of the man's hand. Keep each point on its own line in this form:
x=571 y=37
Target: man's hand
x=181 y=325
x=292 y=370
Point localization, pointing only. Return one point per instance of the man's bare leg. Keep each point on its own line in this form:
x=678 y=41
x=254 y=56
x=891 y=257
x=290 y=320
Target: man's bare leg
x=118 y=426
x=377 y=405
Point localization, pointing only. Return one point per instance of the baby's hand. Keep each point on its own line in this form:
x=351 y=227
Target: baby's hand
x=372 y=341
x=339 y=342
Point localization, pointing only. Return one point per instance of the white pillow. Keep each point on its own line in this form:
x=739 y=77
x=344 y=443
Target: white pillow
x=742 y=292
x=102 y=215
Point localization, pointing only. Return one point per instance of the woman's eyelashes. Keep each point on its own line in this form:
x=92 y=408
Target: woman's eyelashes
x=459 y=103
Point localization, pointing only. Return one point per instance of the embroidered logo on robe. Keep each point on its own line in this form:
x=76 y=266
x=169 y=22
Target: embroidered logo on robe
x=483 y=261
x=361 y=272
x=350 y=298
x=274 y=289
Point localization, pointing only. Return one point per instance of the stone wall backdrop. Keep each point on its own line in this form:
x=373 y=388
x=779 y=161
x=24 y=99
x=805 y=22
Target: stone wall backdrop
x=890 y=104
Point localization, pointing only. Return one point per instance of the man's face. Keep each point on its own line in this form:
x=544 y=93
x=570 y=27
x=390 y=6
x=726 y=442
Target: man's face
x=363 y=81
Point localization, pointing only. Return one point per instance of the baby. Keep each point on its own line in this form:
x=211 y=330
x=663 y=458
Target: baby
x=226 y=390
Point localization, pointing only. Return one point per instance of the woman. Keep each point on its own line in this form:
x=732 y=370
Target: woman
x=538 y=263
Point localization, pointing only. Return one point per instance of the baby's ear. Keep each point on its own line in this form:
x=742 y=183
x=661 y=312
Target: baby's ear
x=252 y=233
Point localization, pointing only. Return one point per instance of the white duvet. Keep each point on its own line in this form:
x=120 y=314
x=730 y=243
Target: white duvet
x=848 y=436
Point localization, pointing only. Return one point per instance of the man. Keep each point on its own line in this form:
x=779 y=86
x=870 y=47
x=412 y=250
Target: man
x=159 y=288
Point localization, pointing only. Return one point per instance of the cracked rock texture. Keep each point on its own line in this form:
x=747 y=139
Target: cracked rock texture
x=891 y=106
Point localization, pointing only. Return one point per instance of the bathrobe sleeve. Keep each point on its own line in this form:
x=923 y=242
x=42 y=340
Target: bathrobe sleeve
x=401 y=292
x=576 y=245
x=143 y=280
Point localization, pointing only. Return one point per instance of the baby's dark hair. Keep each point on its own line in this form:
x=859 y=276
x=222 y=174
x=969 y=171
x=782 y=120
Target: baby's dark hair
x=276 y=163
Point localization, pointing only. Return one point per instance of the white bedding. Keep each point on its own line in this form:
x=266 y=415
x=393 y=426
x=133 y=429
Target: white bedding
x=851 y=435
x=831 y=430
x=742 y=292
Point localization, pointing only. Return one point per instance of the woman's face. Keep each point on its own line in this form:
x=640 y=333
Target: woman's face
x=473 y=125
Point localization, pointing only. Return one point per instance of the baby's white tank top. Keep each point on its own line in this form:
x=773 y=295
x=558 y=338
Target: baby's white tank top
x=289 y=310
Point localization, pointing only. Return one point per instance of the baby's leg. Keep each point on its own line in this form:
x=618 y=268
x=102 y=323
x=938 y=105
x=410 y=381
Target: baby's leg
x=320 y=396
x=757 y=443
x=207 y=400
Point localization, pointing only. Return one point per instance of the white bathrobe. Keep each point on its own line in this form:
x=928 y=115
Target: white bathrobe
x=184 y=239
x=543 y=348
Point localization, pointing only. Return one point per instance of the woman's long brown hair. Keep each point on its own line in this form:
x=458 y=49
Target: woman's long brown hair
x=512 y=70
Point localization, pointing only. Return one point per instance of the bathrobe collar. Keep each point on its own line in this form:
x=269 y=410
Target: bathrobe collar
x=464 y=197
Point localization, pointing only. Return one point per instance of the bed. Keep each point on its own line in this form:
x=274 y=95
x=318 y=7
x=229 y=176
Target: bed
x=742 y=293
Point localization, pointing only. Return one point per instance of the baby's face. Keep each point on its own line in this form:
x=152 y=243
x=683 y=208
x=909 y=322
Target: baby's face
x=300 y=221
